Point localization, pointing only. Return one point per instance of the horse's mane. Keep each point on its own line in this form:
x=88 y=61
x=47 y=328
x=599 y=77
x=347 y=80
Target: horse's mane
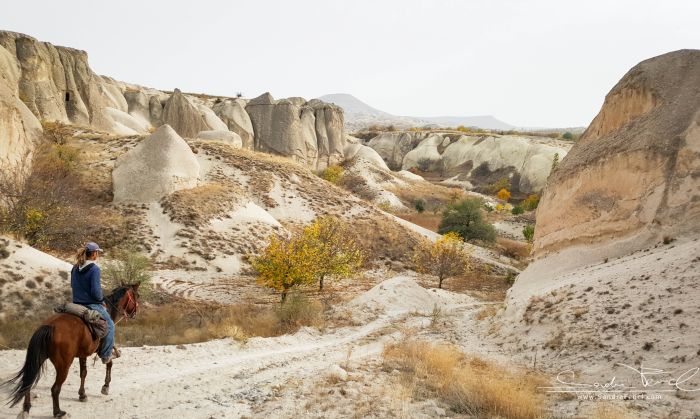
x=116 y=295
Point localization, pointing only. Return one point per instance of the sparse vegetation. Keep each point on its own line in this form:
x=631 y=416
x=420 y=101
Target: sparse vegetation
x=555 y=161
x=529 y=233
x=517 y=210
x=502 y=183
x=419 y=205
x=127 y=267
x=531 y=202
x=323 y=249
x=503 y=194
x=333 y=174
x=445 y=258
x=466 y=219
x=337 y=253
x=469 y=385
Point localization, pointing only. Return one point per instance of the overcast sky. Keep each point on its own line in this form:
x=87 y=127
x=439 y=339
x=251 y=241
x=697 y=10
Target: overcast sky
x=529 y=63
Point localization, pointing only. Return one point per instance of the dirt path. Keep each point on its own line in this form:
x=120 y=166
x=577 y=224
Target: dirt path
x=213 y=379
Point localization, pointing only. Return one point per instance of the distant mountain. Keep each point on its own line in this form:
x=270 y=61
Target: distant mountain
x=482 y=121
x=359 y=115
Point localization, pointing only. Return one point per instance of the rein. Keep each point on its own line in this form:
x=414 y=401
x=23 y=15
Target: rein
x=124 y=314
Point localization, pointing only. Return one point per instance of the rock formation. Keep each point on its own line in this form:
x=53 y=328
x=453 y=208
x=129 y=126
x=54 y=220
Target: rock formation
x=393 y=146
x=311 y=133
x=183 y=116
x=19 y=128
x=232 y=113
x=161 y=164
x=472 y=162
x=484 y=160
x=56 y=83
x=615 y=274
x=635 y=171
x=228 y=137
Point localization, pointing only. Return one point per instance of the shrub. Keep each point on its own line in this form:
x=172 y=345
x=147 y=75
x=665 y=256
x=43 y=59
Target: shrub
x=466 y=219
x=333 y=174
x=469 y=385
x=531 y=202
x=129 y=267
x=424 y=164
x=529 y=232
x=517 y=210
x=568 y=136
x=445 y=258
x=419 y=205
x=502 y=183
x=503 y=194
x=555 y=161
x=50 y=207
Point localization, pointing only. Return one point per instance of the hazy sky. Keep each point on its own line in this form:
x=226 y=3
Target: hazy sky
x=529 y=63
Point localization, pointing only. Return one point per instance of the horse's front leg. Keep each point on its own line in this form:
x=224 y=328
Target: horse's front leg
x=83 y=373
x=108 y=378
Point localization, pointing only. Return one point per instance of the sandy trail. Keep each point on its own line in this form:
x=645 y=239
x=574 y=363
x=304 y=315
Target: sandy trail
x=219 y=378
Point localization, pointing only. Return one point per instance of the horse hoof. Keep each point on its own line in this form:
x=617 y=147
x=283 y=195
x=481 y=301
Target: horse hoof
x=105 y=390
x=23 y=415
x=61 y=414
x=83 y=398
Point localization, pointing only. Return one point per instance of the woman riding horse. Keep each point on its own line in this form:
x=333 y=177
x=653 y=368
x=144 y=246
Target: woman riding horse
x=64 y=337
x=87 y=291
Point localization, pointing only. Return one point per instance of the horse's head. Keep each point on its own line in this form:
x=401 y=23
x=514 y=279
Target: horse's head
x=125 y=300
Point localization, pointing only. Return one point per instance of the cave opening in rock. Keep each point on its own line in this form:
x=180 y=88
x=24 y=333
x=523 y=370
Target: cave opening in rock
x=67 y=96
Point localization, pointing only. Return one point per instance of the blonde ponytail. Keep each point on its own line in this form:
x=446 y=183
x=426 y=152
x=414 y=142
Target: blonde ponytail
x=81 y=256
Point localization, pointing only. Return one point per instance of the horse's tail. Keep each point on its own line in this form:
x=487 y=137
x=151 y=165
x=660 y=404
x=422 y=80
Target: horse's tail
x=37 y=354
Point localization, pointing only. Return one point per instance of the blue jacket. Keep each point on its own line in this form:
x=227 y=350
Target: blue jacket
x=85 y=284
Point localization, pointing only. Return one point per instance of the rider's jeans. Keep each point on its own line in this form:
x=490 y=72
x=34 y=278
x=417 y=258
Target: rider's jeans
x=109 y=339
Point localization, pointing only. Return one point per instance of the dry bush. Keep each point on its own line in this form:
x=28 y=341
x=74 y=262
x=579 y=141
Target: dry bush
x=513 y=248
x=426 y=220
x=468 y=385
x=182 y=322
x=486 y=312
x=52 y=207
x=435 y=196
x=198 y=205
x=383 y=239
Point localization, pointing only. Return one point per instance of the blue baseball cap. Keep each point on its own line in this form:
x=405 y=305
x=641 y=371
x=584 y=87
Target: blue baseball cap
x=93 y=247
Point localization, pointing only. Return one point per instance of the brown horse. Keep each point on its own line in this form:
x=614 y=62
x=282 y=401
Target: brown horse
x=61 y=338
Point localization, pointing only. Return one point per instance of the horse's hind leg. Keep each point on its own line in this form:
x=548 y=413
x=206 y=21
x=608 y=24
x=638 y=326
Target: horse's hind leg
x=108 y=379
x=83 y=373
x=27 y=405
x=61 y=375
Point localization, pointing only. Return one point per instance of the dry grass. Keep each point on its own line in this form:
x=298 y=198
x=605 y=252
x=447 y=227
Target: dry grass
x=486 y=312
x=384 y=240
x=610 y=411
x=468 y=385
x=513 y=248
x=180 y=322
x=202 y=203
x=426 y=220
x=436 y=196
x=186 y=322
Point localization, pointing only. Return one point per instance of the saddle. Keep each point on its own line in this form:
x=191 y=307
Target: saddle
x=92 y=319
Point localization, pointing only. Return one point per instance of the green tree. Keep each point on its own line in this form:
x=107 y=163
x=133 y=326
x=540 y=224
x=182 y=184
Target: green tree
x=466 y=219
x=419 y=205
x=567 y=136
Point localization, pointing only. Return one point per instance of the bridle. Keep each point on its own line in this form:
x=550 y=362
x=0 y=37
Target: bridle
x=122 y=311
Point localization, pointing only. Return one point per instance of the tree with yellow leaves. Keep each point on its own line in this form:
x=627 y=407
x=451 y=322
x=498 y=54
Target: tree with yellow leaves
x=286 y=263
x=503 y=195
x=445 y=258
x=339 y=255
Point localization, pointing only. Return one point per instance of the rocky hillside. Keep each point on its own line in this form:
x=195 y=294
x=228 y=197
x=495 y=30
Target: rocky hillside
x=472 y=161
x=616 y=275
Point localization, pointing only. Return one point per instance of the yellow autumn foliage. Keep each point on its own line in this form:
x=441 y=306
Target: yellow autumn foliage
x=445 y=258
